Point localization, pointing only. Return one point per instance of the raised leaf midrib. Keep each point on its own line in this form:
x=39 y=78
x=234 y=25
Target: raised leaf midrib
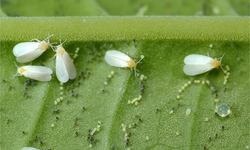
x=126 y=28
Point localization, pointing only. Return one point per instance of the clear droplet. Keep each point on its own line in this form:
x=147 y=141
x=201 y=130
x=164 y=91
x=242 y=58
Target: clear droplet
x=223 y=110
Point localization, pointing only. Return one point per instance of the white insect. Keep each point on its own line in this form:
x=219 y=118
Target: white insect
x=188 y=111
x=118 y=59
x=28 y=51
x=65 y=68
x=29 y=148
x=197 y=64
x=39 y=73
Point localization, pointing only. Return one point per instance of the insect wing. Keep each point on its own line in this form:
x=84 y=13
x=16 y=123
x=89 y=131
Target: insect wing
x=70 y=67
x=61 y=70
x=197 y=59
x=27 y=51
x=39 y=73
x=29 y=56
x=116 y=58
x=29 y=148
x=25 y=47
x=194 y=69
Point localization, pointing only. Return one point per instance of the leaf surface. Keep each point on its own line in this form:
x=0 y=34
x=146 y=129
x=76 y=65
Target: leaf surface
x=159 y=121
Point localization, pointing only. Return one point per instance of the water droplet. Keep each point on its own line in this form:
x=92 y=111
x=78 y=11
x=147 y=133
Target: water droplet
x=223 y=110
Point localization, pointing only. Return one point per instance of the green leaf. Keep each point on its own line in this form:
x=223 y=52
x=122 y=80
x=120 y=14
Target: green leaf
x=52 y=8
x=129 y=7
x=2 y=14
x=241 y=6
x=235 y=29
x=29 y=116
x=164 y=51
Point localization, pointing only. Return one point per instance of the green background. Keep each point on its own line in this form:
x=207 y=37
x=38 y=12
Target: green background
x=164 y=31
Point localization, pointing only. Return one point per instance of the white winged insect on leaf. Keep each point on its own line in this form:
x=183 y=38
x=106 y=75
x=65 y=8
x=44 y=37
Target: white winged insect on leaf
x=28 y=51
x=65 y=68
x=39 y=73
x=196 y=64
x=118 y=59
x=29 y=148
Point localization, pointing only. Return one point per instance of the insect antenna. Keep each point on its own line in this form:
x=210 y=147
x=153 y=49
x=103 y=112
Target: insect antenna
x=17 y=74
x=220 y=59
x=142 y=57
